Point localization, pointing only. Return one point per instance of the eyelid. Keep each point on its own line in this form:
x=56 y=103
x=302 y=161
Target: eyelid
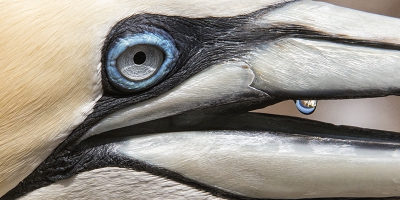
x=159 y=39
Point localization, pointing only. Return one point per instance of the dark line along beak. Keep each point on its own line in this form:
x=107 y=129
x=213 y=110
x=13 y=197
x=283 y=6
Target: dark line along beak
x=326 y=53
x=338 y=57
x=346 y=54
x=343 y=59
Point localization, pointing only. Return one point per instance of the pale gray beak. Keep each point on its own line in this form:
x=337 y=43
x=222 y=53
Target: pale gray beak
x=320 y=51
x=344 y=54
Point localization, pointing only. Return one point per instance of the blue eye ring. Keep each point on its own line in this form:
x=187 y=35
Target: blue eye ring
x=161 y=40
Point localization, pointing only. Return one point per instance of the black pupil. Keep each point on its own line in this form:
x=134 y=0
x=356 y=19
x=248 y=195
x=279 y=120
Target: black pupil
x=139 y=58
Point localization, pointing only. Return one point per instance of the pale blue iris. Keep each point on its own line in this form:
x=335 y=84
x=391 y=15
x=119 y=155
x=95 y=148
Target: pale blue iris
x=161 y=40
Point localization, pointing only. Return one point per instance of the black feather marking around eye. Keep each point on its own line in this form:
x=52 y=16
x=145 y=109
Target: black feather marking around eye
x=201 y=43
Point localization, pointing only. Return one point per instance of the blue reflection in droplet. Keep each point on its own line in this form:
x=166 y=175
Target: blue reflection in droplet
x=306 y=106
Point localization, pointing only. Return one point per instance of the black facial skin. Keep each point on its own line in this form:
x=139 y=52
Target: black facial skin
x=201 y=43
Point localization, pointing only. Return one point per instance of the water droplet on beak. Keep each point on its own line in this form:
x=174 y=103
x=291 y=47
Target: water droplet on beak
x=306 y=106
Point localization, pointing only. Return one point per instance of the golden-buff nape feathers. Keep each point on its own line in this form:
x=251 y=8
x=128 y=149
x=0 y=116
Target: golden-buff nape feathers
x=50 y=82
x=50 y=68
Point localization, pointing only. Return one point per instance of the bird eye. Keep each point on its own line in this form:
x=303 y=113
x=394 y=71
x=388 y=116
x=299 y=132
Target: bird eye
x=137 y=62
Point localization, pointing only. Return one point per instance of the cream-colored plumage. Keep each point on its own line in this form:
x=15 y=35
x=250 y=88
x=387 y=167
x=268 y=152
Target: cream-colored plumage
x=50 y=68
x=50 y=54
x=50 y=82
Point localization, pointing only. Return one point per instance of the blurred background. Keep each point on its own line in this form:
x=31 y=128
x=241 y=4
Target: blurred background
x=376 y=113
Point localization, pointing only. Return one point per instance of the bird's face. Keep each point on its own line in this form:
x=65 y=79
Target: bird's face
x=159 y=91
